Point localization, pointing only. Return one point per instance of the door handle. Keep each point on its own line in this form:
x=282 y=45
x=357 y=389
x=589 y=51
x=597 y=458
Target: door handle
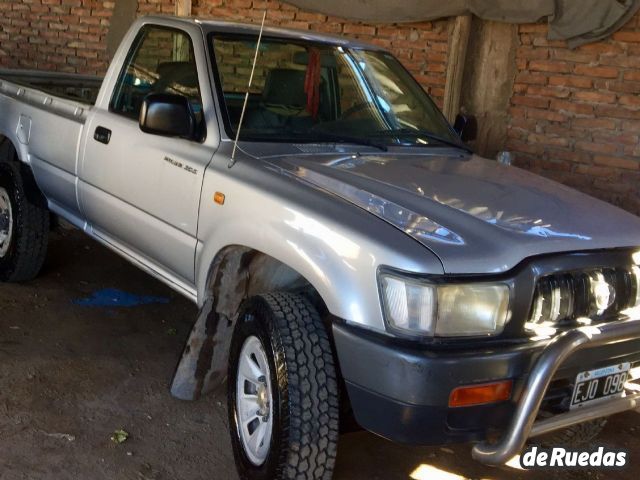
x=102 y=135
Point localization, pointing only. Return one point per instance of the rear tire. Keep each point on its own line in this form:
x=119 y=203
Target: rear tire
x=24 y=224
x=302 y=400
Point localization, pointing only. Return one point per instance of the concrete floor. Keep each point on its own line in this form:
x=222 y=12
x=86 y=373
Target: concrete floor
x=71 y=373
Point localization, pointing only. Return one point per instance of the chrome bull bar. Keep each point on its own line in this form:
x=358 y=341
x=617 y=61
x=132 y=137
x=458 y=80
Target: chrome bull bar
x=523 y=425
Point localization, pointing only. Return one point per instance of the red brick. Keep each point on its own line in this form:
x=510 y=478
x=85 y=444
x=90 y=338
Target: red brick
x=601 y=48
x=615 y=138
x=544 y=42
x=533 y=79
x=595 y=97
x=617 y=112
x=600 y=72
x=535 y=102
x=90 y=20
x=617 y=162
x=627 y=37
x=558 y=92
x=546 y=140
x=571 y=81
x=519 y=88
x=532 y=53
x=549 y=66
x=633 y=75
x=523 y=147
x=630 y=100
x=596 y=147
x=596 y=171
x=572 y=56
x=561 y=130
x=631 y=126
x=623 y=87
x=546 y=115
x=567 y=106
x=593 y=123
x=554 y=165
x=359 y=29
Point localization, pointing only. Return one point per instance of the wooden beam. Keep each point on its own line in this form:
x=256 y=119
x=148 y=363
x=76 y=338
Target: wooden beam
x=489 y=77
x=181 y=46
x=183 y=8
x=124 y=13
x=458 y=43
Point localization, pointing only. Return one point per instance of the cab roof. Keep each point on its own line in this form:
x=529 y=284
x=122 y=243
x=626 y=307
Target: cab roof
x=217 y=26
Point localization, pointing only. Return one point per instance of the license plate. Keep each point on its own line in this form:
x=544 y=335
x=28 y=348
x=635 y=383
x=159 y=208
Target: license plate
x=592 y=385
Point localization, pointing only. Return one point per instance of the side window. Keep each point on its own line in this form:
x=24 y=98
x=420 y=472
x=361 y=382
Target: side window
x=161 y=60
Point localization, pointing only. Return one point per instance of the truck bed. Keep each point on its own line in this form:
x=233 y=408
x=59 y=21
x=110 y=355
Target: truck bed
x=79 y=88
x=44 y=115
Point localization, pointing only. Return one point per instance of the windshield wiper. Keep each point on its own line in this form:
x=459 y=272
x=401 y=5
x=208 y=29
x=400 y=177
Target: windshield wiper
x=399 y=132
x=321 y=136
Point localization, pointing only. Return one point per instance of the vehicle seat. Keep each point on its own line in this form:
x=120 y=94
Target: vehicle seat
x=182 y=74
x=284 y=102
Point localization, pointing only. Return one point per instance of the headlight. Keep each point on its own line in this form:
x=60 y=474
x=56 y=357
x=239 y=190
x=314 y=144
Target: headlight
x=446 y=310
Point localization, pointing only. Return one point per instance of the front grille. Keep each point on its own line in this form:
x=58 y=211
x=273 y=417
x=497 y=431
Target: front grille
x=599 y=294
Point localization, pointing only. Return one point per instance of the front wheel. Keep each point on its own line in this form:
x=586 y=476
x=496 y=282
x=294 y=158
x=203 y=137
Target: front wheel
x=282 y=391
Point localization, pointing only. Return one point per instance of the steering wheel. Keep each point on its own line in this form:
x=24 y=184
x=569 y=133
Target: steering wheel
x=355 y=109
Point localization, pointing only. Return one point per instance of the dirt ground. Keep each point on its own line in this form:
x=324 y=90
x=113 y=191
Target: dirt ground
x=72 y=372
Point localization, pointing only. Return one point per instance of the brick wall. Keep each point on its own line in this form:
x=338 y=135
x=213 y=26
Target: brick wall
x=575 y=114
x=60 y=35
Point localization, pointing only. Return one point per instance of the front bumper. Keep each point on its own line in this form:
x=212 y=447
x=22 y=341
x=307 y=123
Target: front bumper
x=523 y=423
x=401 y=391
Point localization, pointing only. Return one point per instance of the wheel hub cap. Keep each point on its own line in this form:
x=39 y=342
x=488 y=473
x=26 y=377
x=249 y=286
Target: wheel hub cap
x=254 y=415
x=6 y=222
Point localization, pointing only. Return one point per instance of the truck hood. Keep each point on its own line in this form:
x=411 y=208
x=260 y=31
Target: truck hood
x=476 y=215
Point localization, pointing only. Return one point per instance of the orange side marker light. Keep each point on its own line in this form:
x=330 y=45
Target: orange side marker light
x=481 y=394
x=218 y=197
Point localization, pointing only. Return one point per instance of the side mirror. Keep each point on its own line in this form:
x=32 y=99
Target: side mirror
x=466 y=126
x=167 y=114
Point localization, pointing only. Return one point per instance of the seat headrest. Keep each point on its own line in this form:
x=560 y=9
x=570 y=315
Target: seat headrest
x=183 y=73
x=285 y=86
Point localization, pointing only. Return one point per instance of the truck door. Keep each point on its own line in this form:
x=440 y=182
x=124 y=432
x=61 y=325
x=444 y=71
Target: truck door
x=140 y=191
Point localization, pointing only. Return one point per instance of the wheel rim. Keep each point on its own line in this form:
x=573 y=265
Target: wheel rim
x=6 y=222
x=254 y=401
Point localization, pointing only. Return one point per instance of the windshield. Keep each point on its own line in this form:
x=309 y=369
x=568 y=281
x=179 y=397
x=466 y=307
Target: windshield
x=310 y=92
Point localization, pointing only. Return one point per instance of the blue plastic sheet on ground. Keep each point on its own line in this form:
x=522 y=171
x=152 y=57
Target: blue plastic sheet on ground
x=111 y=297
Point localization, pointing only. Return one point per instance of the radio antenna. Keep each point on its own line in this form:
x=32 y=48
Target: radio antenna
x=246 y=96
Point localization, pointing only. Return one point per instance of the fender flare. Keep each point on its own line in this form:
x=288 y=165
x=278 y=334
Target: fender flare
x=237 y=273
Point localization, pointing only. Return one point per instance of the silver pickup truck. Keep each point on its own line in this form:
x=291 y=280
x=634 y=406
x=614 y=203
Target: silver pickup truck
x=353 y=258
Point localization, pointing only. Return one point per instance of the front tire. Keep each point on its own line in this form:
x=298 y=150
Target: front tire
x=24 y=224
x=282 y=391
x=575 y=436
